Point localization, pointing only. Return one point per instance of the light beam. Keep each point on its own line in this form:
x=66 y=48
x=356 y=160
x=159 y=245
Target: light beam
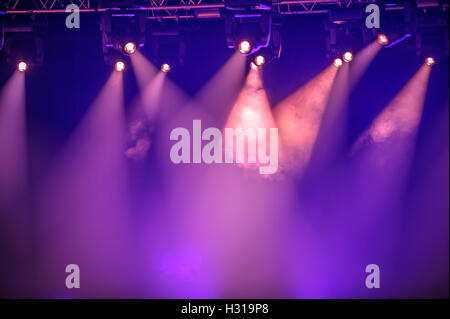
x=299 y=118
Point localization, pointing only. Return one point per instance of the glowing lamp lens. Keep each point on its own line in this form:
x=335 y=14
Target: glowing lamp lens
x=348 y=56
x=129 y=48
x=22 y=66
x=245 y=47
x=165 y=67
x=430 y=61
x=338 y=62
x=119 y=66
x=382 y=39
x=260 y=60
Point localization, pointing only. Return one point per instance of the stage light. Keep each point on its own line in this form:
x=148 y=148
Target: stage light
x=430 y=61
x=247 y=30
x=119 y=66
x=338 y=62
x=165 y=67
x=245 y=47
x=129 y=48
x=348 y=56
x=260 y=60
x=383 y=39
x=121 y=33
x=22 y=66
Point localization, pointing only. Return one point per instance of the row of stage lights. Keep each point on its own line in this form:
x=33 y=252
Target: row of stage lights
x=119 y=66
x=244 y=47
x=130 y=48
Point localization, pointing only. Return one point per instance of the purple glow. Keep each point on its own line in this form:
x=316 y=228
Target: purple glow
x=111 y=200
x=13 y=159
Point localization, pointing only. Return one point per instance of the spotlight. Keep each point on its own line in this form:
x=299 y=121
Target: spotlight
x=338 y=62
x=122 y=33
x=430 y=61
x=22 y=66
x=260 y=60
x=248 y=24
x=119 y=66
x=245 y=47
x=348 y=56
x=383 y=39
x=129 y=48
x=23 y=41
x=165 y=67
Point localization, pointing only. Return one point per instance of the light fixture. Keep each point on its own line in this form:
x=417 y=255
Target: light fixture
x=129 y=48
x=122 y=34
x=338 y=62
x=260 y=60
x=430 y=61
x=383 y=39
x=165 y=67
x=248 y=24
x=245 y=47
x=348 y=56
x=22 y=66
x=119 y=66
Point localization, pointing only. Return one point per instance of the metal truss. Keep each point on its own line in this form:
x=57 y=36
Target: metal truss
x=176 y=9
x=43 y=5
x=308 y=7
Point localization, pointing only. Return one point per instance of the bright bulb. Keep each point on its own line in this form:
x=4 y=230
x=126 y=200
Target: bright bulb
x=260 y=60
x=165 y=67
x=22 y=66
x=382 y=39
x=119 y=66
x=245 y=47
x=430 y=61
x=348 y=56
x=129 y=48
x=338 y=62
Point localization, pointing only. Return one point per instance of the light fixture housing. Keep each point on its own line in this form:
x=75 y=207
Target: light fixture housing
x=129 y=48
x=122 y=34
x=245 y=46
x=348 y=56
x=383 y=39
x=165 y=67
x=430 y=61
x=119 y=66
x=260 y=60
x=338 y=62
x=22 y=66
x=248 y=26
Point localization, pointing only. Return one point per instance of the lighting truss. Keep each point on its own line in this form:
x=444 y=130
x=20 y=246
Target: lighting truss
x=188 y=9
